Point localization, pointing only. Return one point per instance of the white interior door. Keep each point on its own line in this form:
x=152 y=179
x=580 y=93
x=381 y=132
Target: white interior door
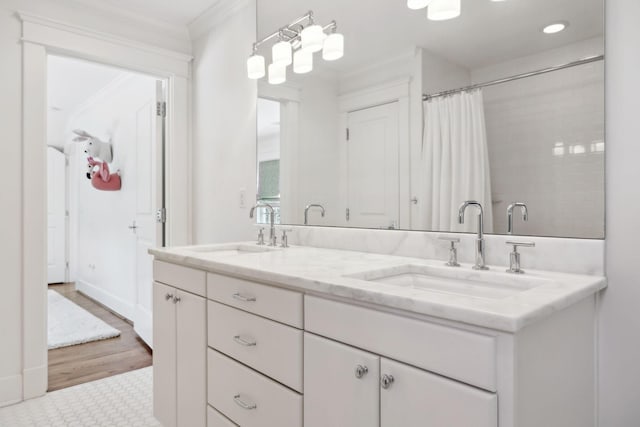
x=56 y=217
x=149 y=198
x=372 y=167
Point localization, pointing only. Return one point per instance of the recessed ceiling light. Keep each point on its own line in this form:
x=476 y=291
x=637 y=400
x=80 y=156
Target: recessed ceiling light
x=556 y=27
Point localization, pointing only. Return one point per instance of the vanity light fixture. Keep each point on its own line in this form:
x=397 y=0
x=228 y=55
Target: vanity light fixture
x=297 y=42
x=441 y=10
x=556 y=27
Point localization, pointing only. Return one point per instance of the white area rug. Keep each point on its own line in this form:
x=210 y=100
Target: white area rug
x=70 y=324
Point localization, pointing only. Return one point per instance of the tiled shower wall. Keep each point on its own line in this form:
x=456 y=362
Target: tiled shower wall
x=546 y=148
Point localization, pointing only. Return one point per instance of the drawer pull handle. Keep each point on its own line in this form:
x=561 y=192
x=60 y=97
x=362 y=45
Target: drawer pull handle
x=243 y=298
x=244 y=342
x=244 y=405
x=386 y=381
x=361 y=371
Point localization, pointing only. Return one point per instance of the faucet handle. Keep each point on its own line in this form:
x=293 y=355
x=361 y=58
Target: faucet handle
x=514 y=257
x=260 y=236
x=285 y=239
x=453 y=251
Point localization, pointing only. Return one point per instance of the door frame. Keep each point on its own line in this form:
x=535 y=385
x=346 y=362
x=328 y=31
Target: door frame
x=394 y=91
x=41 y=37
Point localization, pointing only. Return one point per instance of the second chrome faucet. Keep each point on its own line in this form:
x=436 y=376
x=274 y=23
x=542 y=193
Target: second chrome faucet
x=479 y=245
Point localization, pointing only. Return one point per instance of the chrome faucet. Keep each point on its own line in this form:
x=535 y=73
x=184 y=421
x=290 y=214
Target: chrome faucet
x=272 y=214
x=480 y=254
x=306 y=211
x=523 y=209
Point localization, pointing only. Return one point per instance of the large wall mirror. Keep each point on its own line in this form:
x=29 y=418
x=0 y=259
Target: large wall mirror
x=503 y=104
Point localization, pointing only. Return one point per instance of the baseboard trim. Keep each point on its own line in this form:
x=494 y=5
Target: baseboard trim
x=35 y=382
x=110 y=301
x=10 y=390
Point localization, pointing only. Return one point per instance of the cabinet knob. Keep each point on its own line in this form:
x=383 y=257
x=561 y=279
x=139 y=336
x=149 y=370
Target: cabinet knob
x=167 y=297
x=386 y=381
x=244 y=405
x=176 y=299
x=361 y=371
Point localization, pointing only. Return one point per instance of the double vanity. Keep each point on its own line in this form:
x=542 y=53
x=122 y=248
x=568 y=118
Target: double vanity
x=254 y=335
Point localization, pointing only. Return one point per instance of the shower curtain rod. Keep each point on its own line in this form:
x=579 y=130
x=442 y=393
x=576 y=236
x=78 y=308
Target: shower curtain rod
x=583 y=61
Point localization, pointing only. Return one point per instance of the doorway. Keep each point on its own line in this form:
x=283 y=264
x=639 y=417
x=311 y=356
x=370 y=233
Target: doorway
x=105 y=156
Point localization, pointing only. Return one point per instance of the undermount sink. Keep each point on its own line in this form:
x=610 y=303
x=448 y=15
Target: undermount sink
x=231 y=249
x=460 y=281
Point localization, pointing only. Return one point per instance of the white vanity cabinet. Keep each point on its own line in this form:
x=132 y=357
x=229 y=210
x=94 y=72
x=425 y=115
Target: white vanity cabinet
x=255 y=355
x=345 y=386
x=179 y=356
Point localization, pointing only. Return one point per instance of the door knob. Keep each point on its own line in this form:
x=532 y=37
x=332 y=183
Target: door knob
x=176 y=299
x=167 y=297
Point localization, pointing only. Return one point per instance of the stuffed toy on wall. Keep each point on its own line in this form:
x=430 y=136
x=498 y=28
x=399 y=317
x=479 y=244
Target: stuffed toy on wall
x=100 y=176
x=94 y=147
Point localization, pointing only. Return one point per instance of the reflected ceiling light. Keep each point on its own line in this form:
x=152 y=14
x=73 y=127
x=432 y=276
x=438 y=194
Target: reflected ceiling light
x=556 y=27
x=277 y=74
x=333 y=47
x=296 y=44
x=255 y=66
x=302 y=61
x=281 y=53
x=441 y=10
x=418 y=4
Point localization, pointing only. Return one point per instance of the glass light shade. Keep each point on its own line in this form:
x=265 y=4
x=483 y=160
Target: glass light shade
x=441 y=10
x=255 y=67
x=312 y=38
x=302 y=61
x=333 y=47
x=418 y=4
x=277 y=74
x=281 y=53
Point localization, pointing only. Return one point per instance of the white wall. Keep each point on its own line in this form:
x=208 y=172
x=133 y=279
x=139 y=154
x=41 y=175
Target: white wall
x=11 y=200
x=103 y=247
x=619 y=315
x=224 y=130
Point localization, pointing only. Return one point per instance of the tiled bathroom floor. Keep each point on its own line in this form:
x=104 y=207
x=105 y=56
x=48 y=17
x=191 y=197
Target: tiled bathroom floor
x=120 y=401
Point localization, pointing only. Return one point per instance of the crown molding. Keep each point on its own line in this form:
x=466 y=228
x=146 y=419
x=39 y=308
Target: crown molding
x=214 y=16
x=88 y=32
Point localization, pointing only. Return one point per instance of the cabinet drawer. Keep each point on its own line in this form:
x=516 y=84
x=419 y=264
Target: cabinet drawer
x=249 y=398
x=267 y=346
x=185 y=278
x=277 y=304
x=466 y=356
x=216 y=419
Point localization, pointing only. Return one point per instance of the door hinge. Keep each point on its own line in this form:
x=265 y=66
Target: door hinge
x=161 y=215
x=347 y=214
x=348 y=134
x=161 y=109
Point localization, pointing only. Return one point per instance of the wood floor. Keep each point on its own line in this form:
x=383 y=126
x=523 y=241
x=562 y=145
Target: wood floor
x=82 y=363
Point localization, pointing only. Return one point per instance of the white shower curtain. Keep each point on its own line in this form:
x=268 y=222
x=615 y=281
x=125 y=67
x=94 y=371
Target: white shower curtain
x=455 y=162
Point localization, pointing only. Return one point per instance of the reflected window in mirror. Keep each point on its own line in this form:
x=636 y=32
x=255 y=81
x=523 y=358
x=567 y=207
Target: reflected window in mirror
x=268 y=158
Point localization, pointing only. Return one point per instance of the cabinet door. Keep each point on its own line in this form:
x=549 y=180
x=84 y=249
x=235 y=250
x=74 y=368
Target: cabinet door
x=419 y=398
x=335 y=394
x=164 y=355
x=191 y=344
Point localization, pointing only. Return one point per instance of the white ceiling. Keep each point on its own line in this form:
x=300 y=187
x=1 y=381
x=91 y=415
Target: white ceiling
x=181 y=12
x=486 y=33
x=70 y=83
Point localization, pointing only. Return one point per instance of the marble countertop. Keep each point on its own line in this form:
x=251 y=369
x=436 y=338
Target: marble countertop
x=321 y=271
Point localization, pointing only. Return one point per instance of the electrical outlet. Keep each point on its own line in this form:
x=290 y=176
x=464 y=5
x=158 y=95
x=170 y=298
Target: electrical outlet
x=243 y=197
